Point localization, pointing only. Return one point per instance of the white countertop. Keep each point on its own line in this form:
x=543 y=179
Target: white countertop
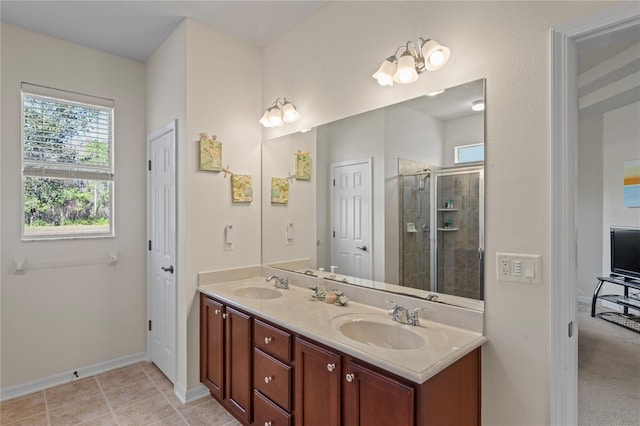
x=296 y=311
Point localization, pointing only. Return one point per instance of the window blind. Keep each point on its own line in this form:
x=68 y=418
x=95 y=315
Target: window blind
x=66 y=135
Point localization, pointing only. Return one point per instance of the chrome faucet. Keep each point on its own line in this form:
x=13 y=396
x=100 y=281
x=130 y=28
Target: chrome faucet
x=403 y=316
x=280 y=282
x=398 y=313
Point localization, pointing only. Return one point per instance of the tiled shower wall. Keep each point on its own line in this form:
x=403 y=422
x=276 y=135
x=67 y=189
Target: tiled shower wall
x=457 y=255
x=416 y=250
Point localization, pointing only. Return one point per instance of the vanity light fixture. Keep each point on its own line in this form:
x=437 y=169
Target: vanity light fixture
x=282 y=111
x=478 y=105
x=430 y=56
x=436 y=93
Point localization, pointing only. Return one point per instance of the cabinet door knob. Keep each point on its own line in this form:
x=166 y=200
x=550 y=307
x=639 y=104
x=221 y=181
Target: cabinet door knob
x=268 y=379
x=350 y=377
x=217 y=312
x=268 y=340
x=224 y=316
x=331 y=367
x=267 y=423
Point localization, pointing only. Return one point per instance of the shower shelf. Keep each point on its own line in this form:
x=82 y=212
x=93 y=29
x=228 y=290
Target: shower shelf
x=447 y=210
x=448 y=229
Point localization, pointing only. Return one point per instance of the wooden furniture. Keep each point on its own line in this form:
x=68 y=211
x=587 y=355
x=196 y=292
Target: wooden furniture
x=624 y=319
x=225 y=356
x=296 y=380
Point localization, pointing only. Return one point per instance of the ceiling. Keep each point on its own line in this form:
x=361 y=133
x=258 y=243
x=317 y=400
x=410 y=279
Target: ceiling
x=134 y=29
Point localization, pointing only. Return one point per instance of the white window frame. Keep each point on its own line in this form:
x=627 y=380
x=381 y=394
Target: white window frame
x=67 y=171
x=456 y=158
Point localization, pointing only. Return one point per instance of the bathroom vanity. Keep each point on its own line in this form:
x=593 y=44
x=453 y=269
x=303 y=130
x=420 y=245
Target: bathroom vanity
x=276 y=357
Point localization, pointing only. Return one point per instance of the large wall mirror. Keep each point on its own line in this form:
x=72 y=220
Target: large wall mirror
x=391 y=198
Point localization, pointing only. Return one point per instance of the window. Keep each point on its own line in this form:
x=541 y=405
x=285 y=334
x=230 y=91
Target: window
x=469 y=153
x=67 y=164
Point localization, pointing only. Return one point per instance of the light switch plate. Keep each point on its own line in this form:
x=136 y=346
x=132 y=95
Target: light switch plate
x=519 y=268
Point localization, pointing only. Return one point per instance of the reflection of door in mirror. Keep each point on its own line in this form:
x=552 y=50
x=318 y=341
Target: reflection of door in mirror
x=350 y=220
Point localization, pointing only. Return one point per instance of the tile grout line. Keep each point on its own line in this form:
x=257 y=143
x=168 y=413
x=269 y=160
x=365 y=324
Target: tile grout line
x=165 y=397
x=104 y=395
x=46 y=408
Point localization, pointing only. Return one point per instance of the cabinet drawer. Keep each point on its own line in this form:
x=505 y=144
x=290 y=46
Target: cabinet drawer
x=267 y=413
x=272 y=341
x=272 y=378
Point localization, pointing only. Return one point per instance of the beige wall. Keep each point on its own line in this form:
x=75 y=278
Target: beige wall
x=64 y=318
x=508 y=44
x=211 y=82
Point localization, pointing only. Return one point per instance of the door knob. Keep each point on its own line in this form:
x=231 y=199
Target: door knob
x=350 y=377
x=363 y=248
x=169 y=269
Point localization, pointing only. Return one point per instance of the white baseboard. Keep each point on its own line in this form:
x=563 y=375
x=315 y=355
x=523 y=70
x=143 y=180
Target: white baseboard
x=193 y=394
x=15 y=391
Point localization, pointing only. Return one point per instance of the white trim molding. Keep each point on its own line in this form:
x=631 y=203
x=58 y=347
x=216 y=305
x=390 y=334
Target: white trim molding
x=68 y=376
x=563 y=356
x=192 y=394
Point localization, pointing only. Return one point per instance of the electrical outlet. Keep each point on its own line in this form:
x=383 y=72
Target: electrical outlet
x=519 y=268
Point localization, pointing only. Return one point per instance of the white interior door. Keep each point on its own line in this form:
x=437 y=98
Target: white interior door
x=351 y=218
x=161 y=224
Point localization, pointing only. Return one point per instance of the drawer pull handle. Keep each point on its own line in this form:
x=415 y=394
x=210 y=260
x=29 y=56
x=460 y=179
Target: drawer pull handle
x=267 y=423
x=268 y=340
x=331 y=367
x=350 y=377
x=268 y=379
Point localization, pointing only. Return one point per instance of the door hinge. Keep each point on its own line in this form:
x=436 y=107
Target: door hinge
x=334 y=182
x=149 y=165
x=149 y=325
x=570 y=329
x=149 y=245
x=334 y=234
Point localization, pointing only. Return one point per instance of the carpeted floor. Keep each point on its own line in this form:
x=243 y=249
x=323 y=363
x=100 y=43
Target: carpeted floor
x=608 y=372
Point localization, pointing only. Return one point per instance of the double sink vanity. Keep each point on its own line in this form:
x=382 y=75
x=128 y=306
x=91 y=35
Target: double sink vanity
x=274 y=356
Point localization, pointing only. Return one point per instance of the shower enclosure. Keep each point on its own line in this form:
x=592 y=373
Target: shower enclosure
x=441 y=235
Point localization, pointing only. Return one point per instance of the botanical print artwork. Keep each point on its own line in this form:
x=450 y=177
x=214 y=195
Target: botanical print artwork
x=241 y=189
x=279 y=190
x=303 y=165
x=210 y=153
x=632 y=183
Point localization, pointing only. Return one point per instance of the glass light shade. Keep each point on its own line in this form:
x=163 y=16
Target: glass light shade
x=406 y=72
x=385 y=73
x=265 y=119
x=478 y=105
x=435 y=55
x=275 y=117
x=289 y=113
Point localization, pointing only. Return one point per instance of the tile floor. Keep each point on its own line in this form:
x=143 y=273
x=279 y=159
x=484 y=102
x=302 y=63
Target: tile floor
x=136 y=395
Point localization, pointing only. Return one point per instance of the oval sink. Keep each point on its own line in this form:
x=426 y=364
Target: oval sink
x=257 y=293
x=388 y=336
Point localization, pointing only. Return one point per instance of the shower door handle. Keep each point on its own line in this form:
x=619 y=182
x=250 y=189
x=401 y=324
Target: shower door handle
x=363 y=248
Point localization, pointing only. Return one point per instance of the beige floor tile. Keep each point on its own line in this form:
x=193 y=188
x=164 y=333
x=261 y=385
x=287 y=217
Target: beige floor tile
x=234 y=422
x=83 y=411
x=145 y=412
x=161 y=381
x=130 y=375
x=178 y=405
x=37 y=420
x=175 y=420
x=107 y=420
x=127 y=395
x=19 y=408
x=207 y=413
x=72 y=392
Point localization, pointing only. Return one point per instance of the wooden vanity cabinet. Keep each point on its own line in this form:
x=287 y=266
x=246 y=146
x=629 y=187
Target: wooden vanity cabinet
x=317 y=384
x=225 y=356
x=273 y=375
x=370 y=398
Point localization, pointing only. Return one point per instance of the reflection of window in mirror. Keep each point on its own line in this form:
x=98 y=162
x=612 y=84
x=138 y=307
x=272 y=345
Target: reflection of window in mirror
x=469 y=153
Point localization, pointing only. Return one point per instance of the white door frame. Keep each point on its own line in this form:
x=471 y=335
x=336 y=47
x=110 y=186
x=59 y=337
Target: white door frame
x=332 y=167
x=563 y=356
x=168 y=128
